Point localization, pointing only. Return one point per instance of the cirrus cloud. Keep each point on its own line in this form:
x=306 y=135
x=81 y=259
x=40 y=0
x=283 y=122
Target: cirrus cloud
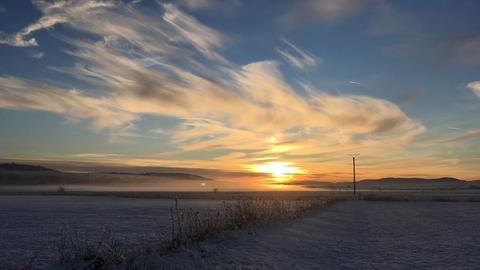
x=139 y=65
x=321 y=11
x=296 y=57
x=475 y=87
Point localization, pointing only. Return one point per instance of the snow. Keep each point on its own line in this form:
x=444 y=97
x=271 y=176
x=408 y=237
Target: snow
x=352 y=235
x=29 y=225
x=348 y=235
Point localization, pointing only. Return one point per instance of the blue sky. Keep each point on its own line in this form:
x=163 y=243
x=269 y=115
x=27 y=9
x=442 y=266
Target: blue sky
x=235 y=85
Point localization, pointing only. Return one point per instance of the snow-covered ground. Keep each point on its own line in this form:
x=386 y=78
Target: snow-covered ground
x=348 y=235
x=29 y=225
x=352 y=235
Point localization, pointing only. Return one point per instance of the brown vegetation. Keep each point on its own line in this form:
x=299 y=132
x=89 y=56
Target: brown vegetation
x=191 y=225
x=188 y=226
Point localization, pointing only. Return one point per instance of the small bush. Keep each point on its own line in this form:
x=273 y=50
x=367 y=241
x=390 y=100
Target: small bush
x=74 y=248
x=189 y=225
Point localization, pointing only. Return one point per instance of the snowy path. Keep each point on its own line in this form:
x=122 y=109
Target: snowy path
x=353 y=235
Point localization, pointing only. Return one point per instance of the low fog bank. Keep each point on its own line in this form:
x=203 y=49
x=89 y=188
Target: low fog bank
x=80 y=177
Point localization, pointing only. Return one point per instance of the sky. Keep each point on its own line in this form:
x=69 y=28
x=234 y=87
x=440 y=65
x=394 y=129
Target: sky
x=287 y=89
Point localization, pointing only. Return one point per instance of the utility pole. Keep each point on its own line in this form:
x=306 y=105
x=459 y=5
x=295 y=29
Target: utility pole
x=354 y=180
x=354 y=177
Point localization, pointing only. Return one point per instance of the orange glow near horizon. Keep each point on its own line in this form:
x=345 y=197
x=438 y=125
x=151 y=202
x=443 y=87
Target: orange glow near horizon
x=280 y=171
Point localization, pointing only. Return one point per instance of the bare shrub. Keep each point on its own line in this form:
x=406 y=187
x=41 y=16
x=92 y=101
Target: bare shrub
x=75 y=248
x=189 y=225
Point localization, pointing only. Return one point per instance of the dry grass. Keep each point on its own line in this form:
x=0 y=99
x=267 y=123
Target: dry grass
x=187 y=227
x=77 y=250
x=191 y=225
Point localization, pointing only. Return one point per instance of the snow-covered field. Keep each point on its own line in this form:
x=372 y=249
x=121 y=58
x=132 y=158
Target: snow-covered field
x=347 y=235
x=29 y=225
x=353 y=235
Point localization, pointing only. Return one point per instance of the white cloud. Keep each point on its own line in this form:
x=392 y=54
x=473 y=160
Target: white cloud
x=53 y=13
x=38 y=55
x=454 y=128
x=141 y=65
x=200 y=36
x=468 y=134
x=20 y=94
x=475 y=87
x=321 y=11
x=198 y=4
x=298 y=58
x=17 y=40
x=223 y=5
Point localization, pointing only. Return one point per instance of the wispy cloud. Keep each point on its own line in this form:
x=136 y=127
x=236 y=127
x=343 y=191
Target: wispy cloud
x=464 y=136
x=142 y=65
x=388 y=19
x=53 y=13
x=21 y=94
x=38 y=55
x=298 y=58
x=200 y=36
x=321 y=11
x=95 y=155
x=17 y=40
x=411 y=95
x=475 y=87
x=210 y=4
x=454 y=128
x=463 y=50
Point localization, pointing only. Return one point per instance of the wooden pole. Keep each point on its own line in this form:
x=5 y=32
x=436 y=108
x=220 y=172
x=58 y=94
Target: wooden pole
x=354 y=180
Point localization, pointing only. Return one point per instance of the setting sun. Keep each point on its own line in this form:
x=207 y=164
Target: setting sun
x=279 y=170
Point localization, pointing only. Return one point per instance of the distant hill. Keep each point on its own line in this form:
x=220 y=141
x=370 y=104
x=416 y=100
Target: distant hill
x=392 y=183
x=172 y=175
x=399 y=183
x=23 y=167
x=21 y=174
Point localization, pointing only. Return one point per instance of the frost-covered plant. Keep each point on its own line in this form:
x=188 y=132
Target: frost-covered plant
x=75 y=248
x=189 y=225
